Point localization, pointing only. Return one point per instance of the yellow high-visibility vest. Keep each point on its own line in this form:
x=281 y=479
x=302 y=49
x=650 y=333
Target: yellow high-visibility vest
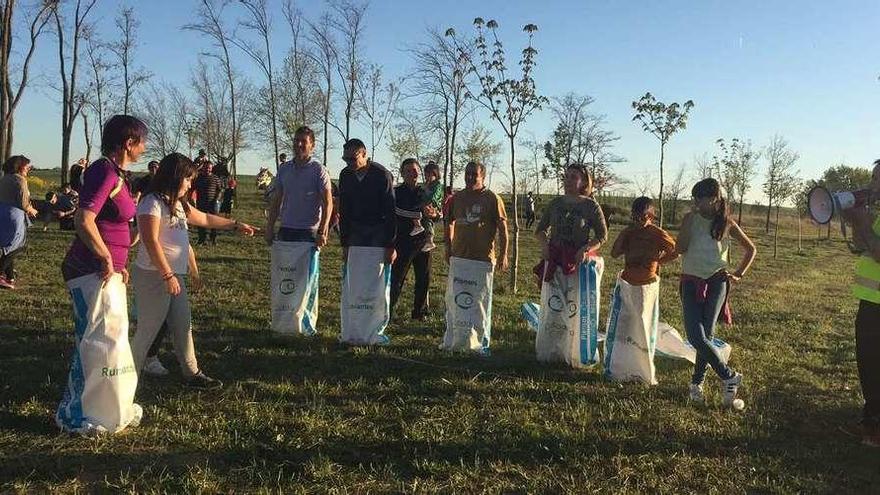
x=867 y=283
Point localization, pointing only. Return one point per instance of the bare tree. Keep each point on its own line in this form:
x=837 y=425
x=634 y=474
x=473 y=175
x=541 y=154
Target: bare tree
x=300 y=99
x=325 y=55
x=595 y=146
x=378 y=102
x=260 y=23
x=440 y=76
x=408 y=136
x=735 y=169
x=166 y=110
x=210 y=24
x=676 y=189
x=703 y=166
x=212 y=119
x=789 y=187
x=779 y=170
x=101 y=78
x=72 y=99
x=132 y=77
x=510 y=101
x=11 y=92
x=571 y=114
x=349 y=18
x=532 y=166
x=662 y=121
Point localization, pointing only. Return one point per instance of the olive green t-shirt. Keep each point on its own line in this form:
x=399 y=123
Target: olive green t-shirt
x=477 y=216
x=14 y=191
x=570 y=221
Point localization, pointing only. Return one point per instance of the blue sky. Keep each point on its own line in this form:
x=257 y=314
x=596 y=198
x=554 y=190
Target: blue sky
x=807 y=70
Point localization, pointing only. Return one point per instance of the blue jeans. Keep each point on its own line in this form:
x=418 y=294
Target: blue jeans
x=699 y=323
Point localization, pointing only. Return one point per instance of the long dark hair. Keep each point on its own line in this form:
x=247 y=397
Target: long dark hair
x=711 y=189
x=173 y=169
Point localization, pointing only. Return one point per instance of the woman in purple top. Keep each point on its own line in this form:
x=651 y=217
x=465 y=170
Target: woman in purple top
x=100 y=392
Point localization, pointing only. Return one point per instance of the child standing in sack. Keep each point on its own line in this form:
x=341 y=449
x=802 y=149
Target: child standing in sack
x=571 y=230
x=632 y=325
x=704 y=241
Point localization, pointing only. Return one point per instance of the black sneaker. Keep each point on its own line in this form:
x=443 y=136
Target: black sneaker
x=202 y=381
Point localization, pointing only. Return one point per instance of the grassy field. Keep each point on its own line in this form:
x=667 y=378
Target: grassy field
x=302 y=415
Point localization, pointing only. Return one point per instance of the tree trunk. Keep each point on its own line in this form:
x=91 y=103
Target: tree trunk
x=799 y=232
x=739 y=218
x=514 y=263
x=660 y=197
x=88 y=138
x=776 y=234
x=769 y=207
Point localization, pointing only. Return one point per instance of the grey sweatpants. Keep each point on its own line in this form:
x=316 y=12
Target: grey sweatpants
x=155 y=306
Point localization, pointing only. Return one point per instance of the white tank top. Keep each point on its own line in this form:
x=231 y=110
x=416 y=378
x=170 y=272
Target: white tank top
x=704 y=255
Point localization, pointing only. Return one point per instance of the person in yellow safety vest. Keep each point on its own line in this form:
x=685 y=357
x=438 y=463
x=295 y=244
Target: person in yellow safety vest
x=866 y=287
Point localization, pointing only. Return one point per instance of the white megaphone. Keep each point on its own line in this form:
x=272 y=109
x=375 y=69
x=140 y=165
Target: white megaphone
x=822 y=204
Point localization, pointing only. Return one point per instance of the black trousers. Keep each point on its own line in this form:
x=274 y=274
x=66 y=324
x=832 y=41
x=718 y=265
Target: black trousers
x=7 y=263
x=210 y=207
x=868 y=358
x=409 y=255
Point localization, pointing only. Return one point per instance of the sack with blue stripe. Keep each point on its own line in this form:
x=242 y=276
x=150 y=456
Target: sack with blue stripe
x=468 y=306
x=295 y=273
x=99 y=397
x=631 y=337
x=366 y=297
x=569 y=316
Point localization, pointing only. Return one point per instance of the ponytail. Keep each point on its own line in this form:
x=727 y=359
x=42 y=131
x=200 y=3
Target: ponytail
x=710 y=188
x=720 y=220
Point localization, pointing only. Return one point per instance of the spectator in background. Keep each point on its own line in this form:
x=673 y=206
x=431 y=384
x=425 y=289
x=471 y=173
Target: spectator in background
x=201 y=158
x=530 y=210
x=411 y=201
x=227 y=203
x=58 y=206
x=141 y=186
x=208 y=188
x=15 y=211
x=76 y=174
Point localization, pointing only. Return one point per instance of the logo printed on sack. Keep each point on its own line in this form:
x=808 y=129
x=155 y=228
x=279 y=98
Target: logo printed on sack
x=117 y=371
x=462 y=281
x=464 y=300
x=558 y=305
x=287 y=286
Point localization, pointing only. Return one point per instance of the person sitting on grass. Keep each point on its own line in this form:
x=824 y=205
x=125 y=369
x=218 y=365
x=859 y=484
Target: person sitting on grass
x=704 y=241
x=162 y=261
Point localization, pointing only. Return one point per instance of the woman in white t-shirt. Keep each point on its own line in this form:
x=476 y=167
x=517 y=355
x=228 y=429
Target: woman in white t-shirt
x=162 y=261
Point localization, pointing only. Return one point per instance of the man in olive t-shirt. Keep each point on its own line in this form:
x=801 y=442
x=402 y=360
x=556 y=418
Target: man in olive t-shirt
x=476 y=215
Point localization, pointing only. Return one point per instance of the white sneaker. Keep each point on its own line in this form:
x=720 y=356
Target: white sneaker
x=418 y=229
x=153 y=367
x=728 y=389
x=696 y=393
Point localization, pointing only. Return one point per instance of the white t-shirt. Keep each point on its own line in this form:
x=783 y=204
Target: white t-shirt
x=173 y=235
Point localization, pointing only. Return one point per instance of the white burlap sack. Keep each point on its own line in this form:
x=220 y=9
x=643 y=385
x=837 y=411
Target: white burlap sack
x=569 y=316
x=468 y=306
x=99 y=396
x=631 y=334
x=295 y=273
x=366 y=296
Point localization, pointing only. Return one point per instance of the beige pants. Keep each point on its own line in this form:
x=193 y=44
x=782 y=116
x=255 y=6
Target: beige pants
x=155 y=306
